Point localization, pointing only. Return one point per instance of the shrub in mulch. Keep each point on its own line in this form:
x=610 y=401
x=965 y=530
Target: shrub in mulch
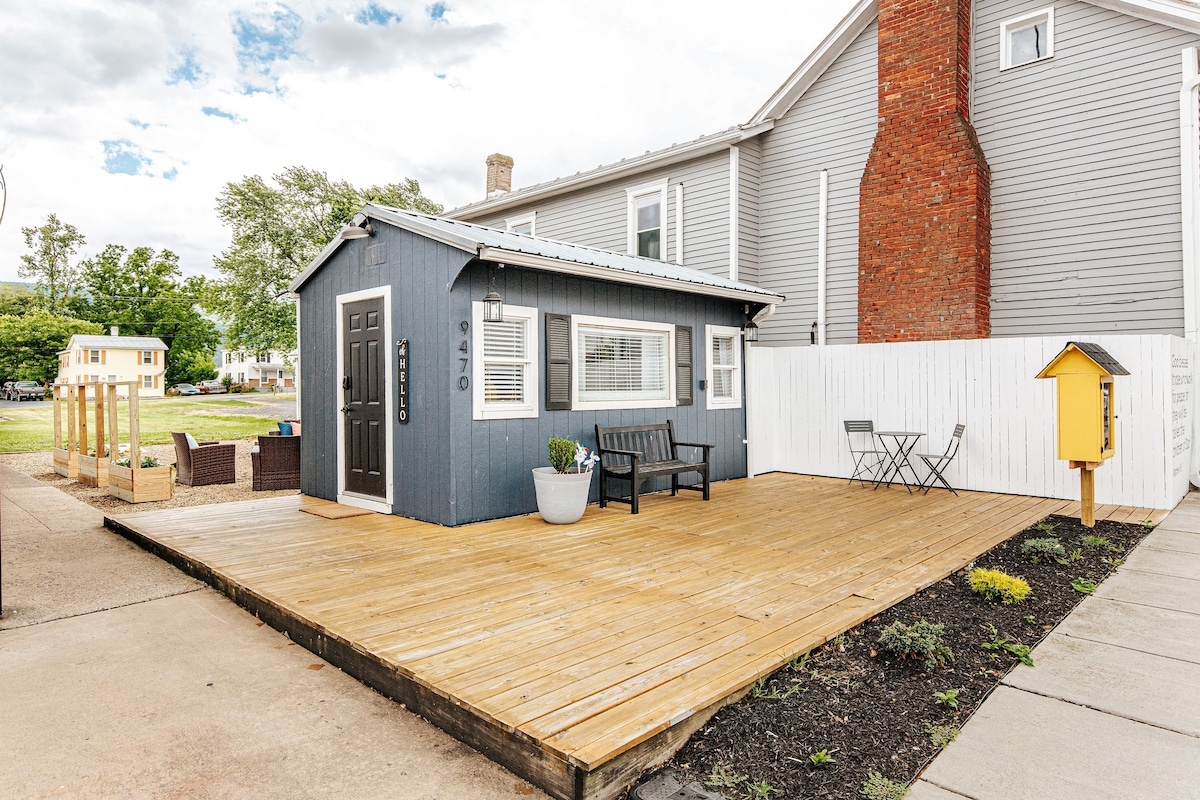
x=853 y=719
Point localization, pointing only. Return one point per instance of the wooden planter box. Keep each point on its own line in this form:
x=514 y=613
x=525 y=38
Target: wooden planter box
x=66 y=463
x=152 y=483
x=93 y=471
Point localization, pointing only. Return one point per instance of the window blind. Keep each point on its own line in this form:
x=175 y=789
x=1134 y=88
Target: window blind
x=623 y=364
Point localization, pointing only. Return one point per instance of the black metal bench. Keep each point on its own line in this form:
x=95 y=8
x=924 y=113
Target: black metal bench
x=635 y=453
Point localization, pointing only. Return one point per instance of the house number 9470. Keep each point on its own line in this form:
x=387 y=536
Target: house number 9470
x=464 y=382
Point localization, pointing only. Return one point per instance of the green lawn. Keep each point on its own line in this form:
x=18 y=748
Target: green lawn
x=30 y=426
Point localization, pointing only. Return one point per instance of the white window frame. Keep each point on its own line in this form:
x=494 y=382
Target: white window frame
x=529 y=219
x=147 y=381
x=528 y=409
x=578 y=320
x=632 y=195
x=710 y=333
x=148 y=357
x=1008 y=27
x=93 y=356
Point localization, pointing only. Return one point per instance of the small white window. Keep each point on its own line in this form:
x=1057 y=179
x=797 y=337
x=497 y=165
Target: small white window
x=93 y=356
x=504 y=364
x=1027 y=39
x=724 y=378
x=622 y=363
x=647 y=210
x=526 y=224
x=147 y=356
x=147 y=381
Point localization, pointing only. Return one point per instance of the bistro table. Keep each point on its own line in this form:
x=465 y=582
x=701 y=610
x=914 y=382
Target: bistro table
x=898 y=445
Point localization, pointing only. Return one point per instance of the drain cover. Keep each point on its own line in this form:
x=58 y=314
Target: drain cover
x=663 y=785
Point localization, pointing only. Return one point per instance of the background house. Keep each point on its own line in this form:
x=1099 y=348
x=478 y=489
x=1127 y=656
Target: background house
x=115 y=358
x=258 y=369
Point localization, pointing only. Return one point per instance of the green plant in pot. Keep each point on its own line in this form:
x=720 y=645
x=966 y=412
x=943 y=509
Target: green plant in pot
x=562 y=488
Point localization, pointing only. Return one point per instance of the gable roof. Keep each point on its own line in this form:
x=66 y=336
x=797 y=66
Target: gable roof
x=532 y=252
x=101 y=342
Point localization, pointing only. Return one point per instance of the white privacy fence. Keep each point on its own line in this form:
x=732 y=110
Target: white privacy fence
x=797 y=398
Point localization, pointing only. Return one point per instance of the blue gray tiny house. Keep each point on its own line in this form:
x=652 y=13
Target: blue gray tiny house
x=414 y=405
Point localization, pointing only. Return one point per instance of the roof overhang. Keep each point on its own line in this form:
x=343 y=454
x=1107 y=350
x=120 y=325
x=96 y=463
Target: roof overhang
x=1172 y=13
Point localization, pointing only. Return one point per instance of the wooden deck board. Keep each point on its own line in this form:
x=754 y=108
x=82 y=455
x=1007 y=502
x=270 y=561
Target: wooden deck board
x=586 y=642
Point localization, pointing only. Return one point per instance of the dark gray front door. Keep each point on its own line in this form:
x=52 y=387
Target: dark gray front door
x=363 y=410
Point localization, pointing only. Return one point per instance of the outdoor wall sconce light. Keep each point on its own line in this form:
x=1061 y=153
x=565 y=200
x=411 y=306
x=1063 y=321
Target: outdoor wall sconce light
x=493 y=305
x=362 y=231
x=812 y=334
x=750 y=331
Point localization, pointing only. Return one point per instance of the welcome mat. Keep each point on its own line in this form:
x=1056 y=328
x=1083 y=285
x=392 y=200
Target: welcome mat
x=335 y=511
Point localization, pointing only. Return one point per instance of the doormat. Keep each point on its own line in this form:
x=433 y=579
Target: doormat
x=335 y=511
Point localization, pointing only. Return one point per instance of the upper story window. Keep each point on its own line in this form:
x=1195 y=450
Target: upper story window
x=93 y=356
x=724 y=378
x=526 y=224
x=1026 y=39
x=647 y=208
x=505 y=364
x=147 y=356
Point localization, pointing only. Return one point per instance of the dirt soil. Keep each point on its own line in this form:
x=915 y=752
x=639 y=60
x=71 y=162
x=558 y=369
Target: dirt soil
x=872 y=712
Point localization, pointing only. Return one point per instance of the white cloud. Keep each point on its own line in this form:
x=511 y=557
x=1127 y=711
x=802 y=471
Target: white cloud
x=370 y=91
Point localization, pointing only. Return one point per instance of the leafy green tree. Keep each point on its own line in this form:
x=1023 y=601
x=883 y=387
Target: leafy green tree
x=16 y=298
x=32 y=342
x=143 y=292
x=53 y=246
x=277 y=230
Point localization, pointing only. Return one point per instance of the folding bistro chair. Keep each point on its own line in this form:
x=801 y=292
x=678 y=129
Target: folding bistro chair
x=937 y=463
x=867 y=459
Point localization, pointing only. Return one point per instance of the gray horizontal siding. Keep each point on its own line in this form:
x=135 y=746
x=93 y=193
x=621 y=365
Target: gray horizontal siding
x=749 y=182
x=598 y=216
x=831 y=127
x=1084 y=152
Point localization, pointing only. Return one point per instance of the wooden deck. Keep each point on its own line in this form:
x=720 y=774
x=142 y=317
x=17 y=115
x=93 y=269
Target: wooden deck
x=579 y=655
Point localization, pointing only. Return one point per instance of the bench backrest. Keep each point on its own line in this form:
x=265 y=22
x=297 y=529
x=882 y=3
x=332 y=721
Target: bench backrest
x=654 y=442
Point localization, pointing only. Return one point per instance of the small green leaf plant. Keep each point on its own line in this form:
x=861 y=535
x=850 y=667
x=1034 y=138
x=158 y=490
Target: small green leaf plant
x=761 y=790
x=721 y=779
x=998 y=643
x=948 y=698
x=1046 y=546
x=1096 y=542
x=878 y=787
x=941 y=735
x=921 y=641
x=822 y=757
x=565 y=452
x=994 y=584
x=1084 y=585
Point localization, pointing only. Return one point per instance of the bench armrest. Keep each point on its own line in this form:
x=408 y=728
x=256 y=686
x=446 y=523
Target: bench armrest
x=695 y=444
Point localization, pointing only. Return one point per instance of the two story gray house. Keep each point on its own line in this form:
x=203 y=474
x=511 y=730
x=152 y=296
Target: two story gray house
x=953 y=170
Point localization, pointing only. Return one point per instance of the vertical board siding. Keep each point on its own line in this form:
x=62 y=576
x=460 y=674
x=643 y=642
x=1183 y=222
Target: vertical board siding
x=1084 y=153
x=598 y=216
x=799 y=397
x=832 y=127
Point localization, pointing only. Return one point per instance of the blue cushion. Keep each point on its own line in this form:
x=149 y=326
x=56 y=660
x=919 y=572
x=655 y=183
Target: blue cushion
x=285 y=429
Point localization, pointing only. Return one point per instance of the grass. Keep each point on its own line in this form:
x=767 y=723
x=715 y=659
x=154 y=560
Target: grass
x=29 y=427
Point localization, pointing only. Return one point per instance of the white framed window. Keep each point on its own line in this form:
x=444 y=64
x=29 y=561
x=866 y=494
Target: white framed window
x=621 y=363
x=504 y=364
x=1027 y=39
x=147 y=381
x=723 y=378
x=147 y=356
x=647 y=214
x=525 y=223
x=93 y=356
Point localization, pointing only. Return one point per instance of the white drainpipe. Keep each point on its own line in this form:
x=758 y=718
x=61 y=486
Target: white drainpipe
x=822 y=254
x=679 y=223
x=734 y=167
x=1189 y=142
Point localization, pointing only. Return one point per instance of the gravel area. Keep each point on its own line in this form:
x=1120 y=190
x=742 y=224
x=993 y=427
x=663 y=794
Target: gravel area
x=39 y=465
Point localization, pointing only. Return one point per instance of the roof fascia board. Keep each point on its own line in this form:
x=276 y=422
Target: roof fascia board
x=607 y=274
x=665 y=158
x=817 y=62
x=1184 y=17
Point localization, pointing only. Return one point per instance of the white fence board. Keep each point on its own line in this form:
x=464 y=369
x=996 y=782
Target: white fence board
x=798 y=397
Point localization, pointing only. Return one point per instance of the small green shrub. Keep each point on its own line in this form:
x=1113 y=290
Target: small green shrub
x=1096 y=542
x=724 y=780
x=1048 y=546
x=920 y=641
x=1045 y=526
x=997 y=585
x=562 y=453
x=878 y=787
x=1084 y=585
x=941 y=735
x=761 y=790
x=948 y=698
x=998 y=643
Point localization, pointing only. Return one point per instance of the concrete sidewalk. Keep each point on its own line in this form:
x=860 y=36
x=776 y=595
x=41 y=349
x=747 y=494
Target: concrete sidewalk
x=123 y=677
x=1112 y=708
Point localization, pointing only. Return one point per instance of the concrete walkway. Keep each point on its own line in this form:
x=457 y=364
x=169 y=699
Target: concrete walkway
x=1112 y=708
x=122 y=677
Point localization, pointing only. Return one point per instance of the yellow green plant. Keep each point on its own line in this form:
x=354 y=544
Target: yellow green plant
x=995 y=584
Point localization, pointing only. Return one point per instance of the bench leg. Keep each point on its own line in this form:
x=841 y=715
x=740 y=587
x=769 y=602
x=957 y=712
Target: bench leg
x=633 y=497
x=705 y=474
x=674 y=485
x=603 y=490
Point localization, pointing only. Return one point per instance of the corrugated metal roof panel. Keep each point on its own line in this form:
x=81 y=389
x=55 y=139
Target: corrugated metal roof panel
x=119 y=342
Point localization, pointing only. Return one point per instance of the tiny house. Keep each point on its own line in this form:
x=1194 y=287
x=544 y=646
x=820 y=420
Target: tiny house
x=416 y=405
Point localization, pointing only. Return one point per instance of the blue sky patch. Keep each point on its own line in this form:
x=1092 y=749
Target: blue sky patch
x=263 y=39
x=441 y=76
x=171 y=173
x=375 y=14
x=188 y=71
x=123 y=157
x=213 y=111
x=137 y=123
x=437 y=11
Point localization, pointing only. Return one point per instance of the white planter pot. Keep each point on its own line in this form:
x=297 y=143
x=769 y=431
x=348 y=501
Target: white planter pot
x=561 y=497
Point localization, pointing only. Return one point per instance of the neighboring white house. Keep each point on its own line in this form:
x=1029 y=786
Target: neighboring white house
x=258 y=369
x=115 y=358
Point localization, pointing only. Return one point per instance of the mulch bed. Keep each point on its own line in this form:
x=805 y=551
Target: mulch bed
x=872 y=712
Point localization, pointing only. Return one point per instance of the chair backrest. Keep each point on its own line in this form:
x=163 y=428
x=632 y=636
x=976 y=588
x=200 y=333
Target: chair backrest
x=279 y=453
x=861 y=428
x=955 y=441
x=183 y=456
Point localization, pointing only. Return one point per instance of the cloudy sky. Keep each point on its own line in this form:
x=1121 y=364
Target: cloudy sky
x=127 y=117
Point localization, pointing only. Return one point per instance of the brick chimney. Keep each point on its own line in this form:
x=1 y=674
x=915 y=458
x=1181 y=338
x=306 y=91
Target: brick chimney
x=924 y=220
x=499 y=174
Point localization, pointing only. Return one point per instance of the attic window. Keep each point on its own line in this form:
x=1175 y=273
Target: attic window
x=526 y=224
x=647 y=207
x=1027 y=39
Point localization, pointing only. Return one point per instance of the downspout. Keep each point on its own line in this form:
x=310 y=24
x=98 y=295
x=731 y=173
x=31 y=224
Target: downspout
x=822 y=254
x=734 y=167
x=1189 y=151
x=679 y=224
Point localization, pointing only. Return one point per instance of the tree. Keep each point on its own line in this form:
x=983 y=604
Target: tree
x=277 y=230
x=16 y=298
x=32 y=342
x=53 y=245
x=144 y=293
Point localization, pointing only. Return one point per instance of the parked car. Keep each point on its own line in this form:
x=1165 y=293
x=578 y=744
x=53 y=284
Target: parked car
x=211 y=387
x=25 y=390
x=185 y=388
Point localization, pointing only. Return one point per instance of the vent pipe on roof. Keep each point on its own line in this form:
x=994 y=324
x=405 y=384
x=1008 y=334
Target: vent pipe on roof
x=499 y=174
x=113 y=331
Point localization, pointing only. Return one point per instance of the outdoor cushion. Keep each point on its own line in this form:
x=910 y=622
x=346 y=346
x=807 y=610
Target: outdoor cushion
x=285 y=429
x=191 y=440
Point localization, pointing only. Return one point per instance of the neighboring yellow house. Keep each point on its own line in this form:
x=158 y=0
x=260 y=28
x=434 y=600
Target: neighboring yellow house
x=115 y=358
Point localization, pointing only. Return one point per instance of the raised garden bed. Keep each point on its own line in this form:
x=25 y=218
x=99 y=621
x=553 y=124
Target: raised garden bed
x=868 y=710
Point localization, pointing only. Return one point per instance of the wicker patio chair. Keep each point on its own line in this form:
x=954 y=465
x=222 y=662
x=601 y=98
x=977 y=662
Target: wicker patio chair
x=206 y=463
x=276 y=464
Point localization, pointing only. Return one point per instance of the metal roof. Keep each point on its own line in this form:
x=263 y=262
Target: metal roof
x=118 y=342
x=532 y=252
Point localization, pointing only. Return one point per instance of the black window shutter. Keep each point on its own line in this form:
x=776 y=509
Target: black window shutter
x=683 y=365
x=558 y=362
